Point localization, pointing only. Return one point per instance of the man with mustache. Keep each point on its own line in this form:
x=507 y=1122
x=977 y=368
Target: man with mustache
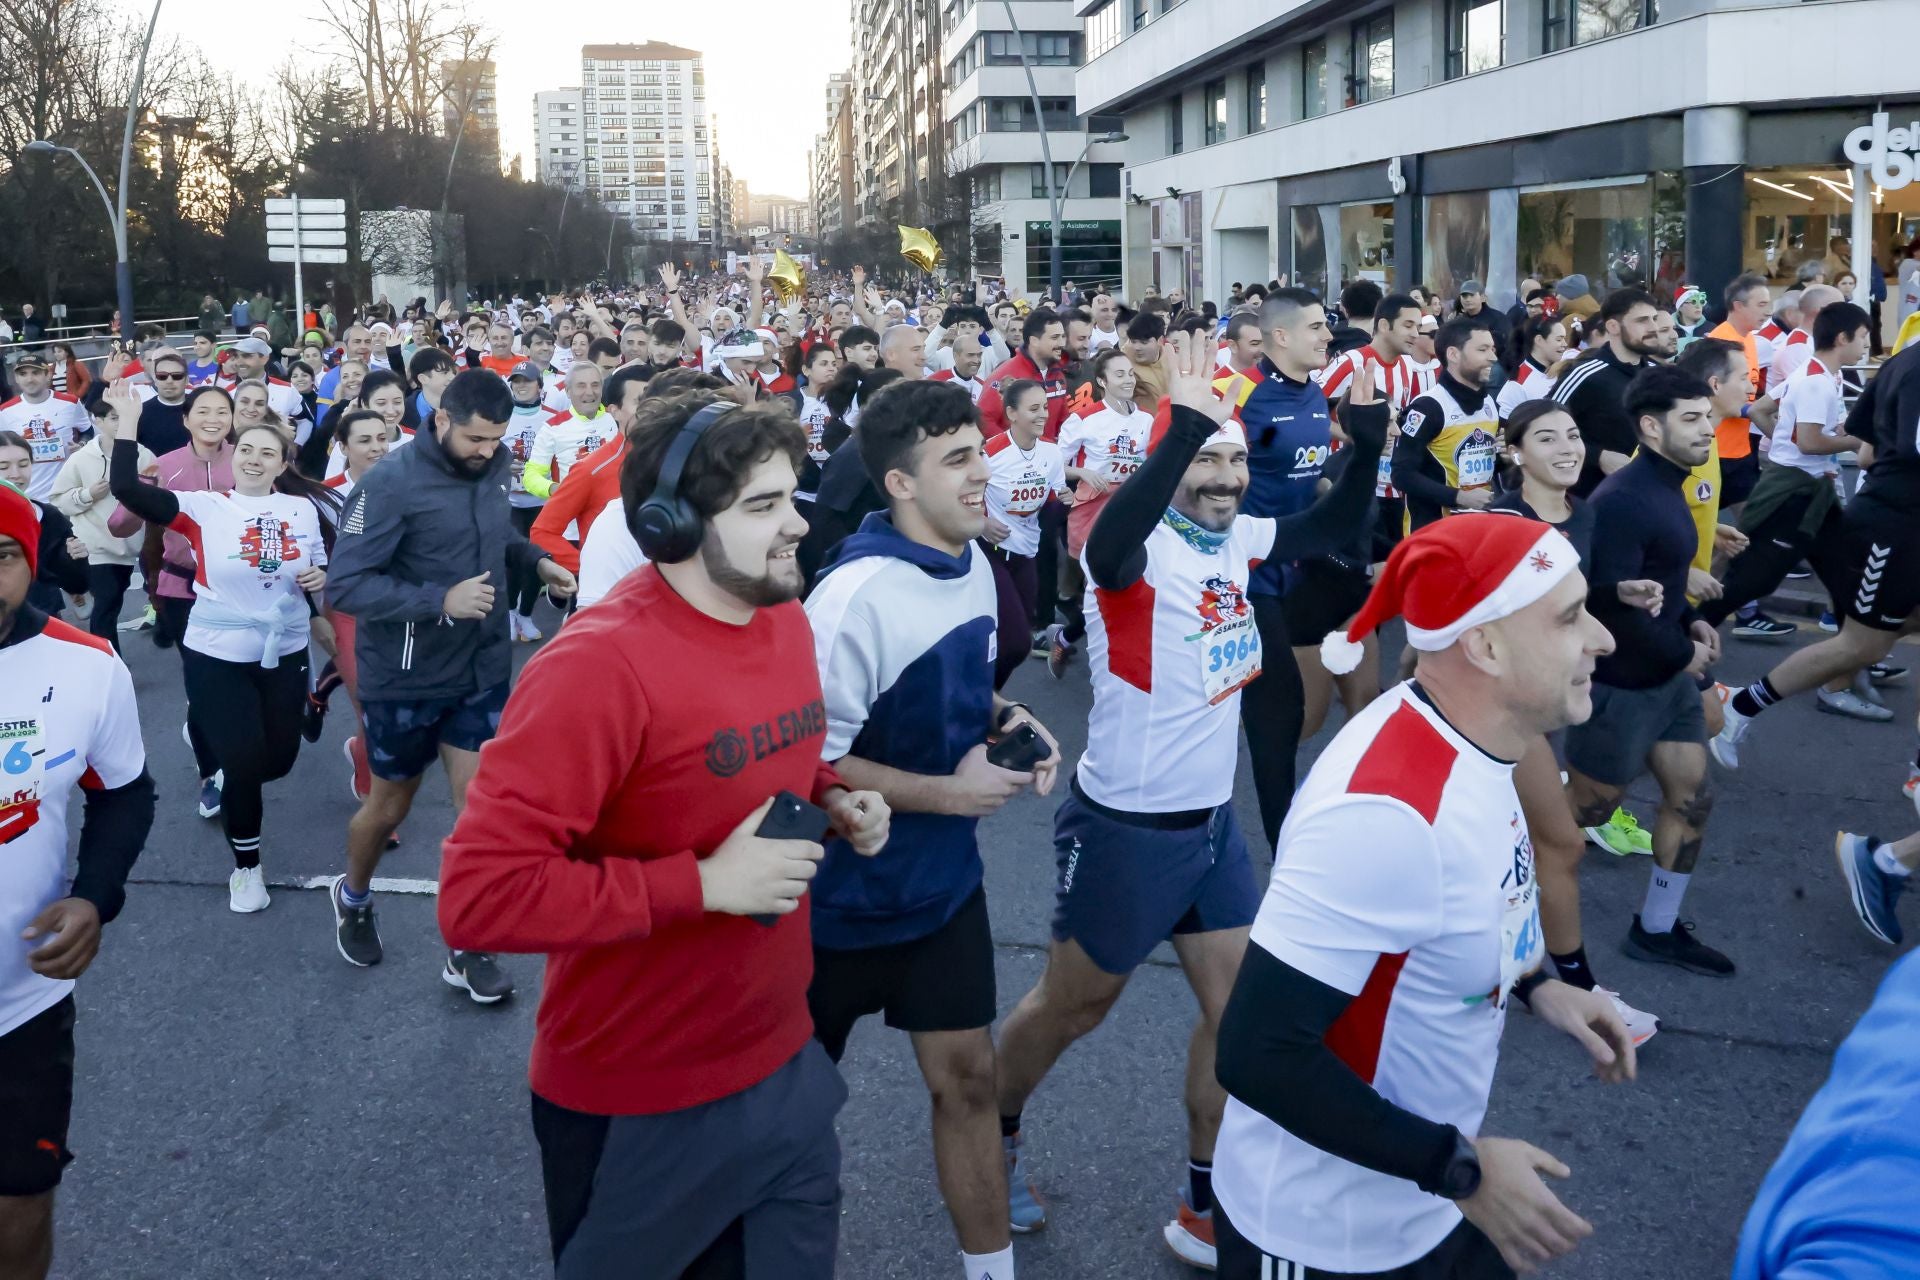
x=1146 y=842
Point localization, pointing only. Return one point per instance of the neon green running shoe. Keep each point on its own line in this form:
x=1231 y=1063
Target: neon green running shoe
x=1622 y=835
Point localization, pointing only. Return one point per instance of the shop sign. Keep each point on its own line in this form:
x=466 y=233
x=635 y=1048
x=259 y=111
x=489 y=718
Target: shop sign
x=1888 y=152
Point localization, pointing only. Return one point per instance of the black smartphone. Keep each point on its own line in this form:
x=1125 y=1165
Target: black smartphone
x=791 y=818
x=1019 y=749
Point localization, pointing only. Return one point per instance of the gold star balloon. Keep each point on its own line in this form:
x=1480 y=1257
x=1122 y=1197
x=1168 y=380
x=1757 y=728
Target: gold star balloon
x=789 y=277
x=918 y=246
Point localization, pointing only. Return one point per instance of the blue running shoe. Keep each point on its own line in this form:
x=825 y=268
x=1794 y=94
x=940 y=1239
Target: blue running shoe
x=1026 y=1211
x=1873 y=891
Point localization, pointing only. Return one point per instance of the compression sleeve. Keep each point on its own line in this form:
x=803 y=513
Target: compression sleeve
x=1414 y=463
x=112 y=833
x=1272 y=1056
x=1117 y=545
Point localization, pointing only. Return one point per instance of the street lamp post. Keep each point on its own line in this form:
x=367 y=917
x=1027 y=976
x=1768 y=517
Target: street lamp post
x=123 y=265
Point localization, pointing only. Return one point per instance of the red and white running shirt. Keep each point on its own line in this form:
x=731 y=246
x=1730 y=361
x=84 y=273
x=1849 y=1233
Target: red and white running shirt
x=248 y=553
x=52 y=429
x=973 y=385
x=1790 y=356
x=1170 y=655
x=1400 y=382
x=1107 y=441
x=67 y=718
x=281 y=397
x=1811 y=395
x=1404 y=877
x=1019 y=482
x=1529 y=382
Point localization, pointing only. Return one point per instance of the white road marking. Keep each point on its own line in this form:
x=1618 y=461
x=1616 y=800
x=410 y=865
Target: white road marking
x=381 y=884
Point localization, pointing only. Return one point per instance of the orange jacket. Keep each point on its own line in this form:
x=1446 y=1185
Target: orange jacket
x=590 y=484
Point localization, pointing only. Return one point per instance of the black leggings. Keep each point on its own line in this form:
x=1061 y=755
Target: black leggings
x=107 y=584
x=1017 y=583
x=523 y=585
x=1274 y=710
x=250 y=716
x=171 y=613
x=1764 y=565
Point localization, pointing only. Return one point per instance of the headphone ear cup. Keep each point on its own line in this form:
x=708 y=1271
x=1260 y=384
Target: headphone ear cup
x=666 y=531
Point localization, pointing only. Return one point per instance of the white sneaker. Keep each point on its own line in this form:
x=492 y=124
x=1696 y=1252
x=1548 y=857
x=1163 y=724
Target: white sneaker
x=1725 y=744
x=1641 y=1026
x=247 y=890
x=1850 y=704
x=525 y=630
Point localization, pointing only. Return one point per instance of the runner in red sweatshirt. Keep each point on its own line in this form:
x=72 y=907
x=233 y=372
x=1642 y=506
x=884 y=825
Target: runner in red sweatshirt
x=675 y=1080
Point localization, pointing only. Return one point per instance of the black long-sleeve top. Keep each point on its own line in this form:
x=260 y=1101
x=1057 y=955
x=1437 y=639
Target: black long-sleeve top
x=1642 y=529
x=57 y=568
x=1117 y=545
x=1594 y=392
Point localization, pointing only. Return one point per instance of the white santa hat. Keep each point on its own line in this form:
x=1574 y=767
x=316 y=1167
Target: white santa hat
x=1453 y=575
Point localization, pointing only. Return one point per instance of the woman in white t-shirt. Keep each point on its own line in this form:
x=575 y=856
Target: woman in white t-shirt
x=260 y=554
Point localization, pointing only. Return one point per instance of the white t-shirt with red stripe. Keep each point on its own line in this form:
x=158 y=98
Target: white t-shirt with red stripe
x=67 y=718
x=1019 y=482
x=1404 y=878
x=1810 y=395
x=1169 y=656
x=1766 y=340
x=1107 y=441
x=249 y=552
x=1790 y=356
x=281 y=397
x=1400 y=382
x=1529 y=382
x=973 y=385
x=52 y=430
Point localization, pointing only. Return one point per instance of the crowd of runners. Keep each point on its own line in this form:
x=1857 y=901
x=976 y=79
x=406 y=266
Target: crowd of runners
x=782 y=557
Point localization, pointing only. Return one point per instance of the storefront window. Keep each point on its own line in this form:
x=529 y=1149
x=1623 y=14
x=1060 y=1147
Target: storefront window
x=1089 y=250
x=1309 y=250
x=1366 y=244
x=1598 y=230
x=1795 y=215
x=1456 y=241
x=1669 y=232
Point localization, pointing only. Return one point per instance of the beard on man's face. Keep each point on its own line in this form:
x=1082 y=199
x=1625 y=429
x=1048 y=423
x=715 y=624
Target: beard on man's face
x=762 y=590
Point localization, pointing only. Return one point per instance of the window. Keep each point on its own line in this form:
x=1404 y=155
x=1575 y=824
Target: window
x=1103 y=180
x=1214 y=96
x=1038 y=179
x=1313 y=78
x=1370 y=73
x=1256 y=97
x=1015 y=115
x=1043 y=48
x=1476 y=36
x=1103 y=29
x=1176 y=125
x=986 y=186
x=1139 y=14
x=1594 y=20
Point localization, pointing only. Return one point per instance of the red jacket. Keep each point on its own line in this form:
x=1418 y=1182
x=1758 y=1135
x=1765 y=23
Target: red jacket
x=993 y=413
x=632 y=745
x=589 y=485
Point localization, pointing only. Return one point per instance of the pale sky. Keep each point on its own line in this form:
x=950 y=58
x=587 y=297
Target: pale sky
x=767 y=64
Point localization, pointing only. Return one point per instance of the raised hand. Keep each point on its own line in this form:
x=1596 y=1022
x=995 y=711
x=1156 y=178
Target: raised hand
x=1190 y=379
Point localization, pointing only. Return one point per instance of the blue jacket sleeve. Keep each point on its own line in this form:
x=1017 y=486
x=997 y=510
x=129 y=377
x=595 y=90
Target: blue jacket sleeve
x=358 y=581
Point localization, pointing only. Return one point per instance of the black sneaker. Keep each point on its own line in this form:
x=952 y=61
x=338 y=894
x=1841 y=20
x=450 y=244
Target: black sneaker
x=1678 y=947
x=354 y=930
x=1761 y=627
x=478 y=974
x=1886 y=673
x=314 y=723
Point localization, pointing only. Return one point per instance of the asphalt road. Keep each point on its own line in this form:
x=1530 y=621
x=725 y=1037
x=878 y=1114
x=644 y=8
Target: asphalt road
x=250 y=1107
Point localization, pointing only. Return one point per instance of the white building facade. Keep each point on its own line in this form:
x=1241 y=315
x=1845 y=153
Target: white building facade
x=998 y=144
x=559 y=145
x=1433 y=141
x=647 y=139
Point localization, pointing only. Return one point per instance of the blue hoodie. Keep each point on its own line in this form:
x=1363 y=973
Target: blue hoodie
x=905 y=636
x=1841 y=1201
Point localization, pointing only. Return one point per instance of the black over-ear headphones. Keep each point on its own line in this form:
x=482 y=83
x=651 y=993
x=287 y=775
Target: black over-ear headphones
x=667 y=529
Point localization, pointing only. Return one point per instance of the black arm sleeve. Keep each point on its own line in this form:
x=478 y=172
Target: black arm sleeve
x=1414 y=463
x=111 y=835
x=1272 y=1056
x=56 y=566
x=1340 y=514
x=148 y=501
x=1117 y=544
x=311 y=461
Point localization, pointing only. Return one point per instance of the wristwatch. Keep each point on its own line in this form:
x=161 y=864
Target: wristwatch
x=1007 y=712
x=1461 y=1176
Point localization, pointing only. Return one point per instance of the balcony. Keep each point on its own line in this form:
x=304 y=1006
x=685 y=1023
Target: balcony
x=1177 y=42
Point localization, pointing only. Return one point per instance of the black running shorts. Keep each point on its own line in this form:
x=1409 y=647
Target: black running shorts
x=1882 y=562
x=36 y=1099
x=942 y=982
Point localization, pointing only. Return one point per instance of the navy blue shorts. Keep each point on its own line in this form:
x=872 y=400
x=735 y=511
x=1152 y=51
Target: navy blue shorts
x=404 y=737
x=1123 y=888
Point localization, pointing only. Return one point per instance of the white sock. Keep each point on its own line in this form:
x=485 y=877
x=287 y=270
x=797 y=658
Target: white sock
x=1661 y=907
x=1883 y=858
x=989 y=1266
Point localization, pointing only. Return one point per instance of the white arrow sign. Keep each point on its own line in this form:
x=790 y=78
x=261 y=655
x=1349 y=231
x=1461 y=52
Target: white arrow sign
x=307 y=237
x=308 y=221
x=285 y=254
x=307 y=206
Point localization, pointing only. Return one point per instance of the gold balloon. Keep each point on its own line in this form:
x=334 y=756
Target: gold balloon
x=789 y=277
x=918 y=246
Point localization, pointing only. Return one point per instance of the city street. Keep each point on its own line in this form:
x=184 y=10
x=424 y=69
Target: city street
x=250 y=1107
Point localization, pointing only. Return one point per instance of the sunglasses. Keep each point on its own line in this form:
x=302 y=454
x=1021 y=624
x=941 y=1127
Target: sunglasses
x=169 y=377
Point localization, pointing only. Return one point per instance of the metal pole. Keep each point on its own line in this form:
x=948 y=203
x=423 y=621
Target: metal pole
x=123 y=266
x=1862 y=237
x=1046 y=154
x=299 y=291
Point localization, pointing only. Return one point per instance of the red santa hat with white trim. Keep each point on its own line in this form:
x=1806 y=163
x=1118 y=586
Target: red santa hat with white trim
x=1453 y=575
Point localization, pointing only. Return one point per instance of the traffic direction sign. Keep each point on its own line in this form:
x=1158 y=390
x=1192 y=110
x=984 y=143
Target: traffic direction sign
x=308 y=221
x=307 y=237
x=284 y=253
x=306 y=206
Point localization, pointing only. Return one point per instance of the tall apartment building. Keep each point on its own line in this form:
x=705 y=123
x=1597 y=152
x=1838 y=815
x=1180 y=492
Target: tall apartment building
x=780 y=215
x=896 y=92
x=996 y=147
x=649 y=155
x=1433 y=141
x=559 y=145
x=830 y=166
x=470 y=92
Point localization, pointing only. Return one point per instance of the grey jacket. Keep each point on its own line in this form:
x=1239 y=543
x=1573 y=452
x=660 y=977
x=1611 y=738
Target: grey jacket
x=416 y=526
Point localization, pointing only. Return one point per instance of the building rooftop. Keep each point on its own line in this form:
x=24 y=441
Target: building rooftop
x=651 y=51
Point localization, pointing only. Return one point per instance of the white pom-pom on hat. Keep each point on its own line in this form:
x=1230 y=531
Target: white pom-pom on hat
x=1340 y=655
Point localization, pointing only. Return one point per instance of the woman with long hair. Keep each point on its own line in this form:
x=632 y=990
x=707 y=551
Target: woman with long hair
x=1538 y=347
x=245 y=644
x=70 y=376
x=1024 y=473
x=1544 y=450
x=204 y=463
